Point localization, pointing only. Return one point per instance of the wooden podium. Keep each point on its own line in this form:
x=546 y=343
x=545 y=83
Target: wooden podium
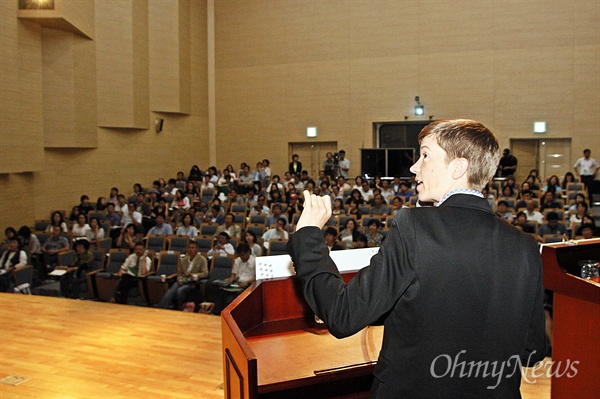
x=576 y=316
x=273 y=348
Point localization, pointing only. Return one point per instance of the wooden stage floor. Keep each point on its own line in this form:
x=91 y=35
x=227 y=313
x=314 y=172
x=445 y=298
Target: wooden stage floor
x=94 y=350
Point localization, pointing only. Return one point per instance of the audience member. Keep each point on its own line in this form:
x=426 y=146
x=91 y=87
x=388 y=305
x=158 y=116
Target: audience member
x=503 y=212
x=251 y=240
x=587 y=168
x=57 y=219
x=278 y=231
x=131 y=216
x=344 y=164
x=374 y=237
x=54 y=245
x=353 y=208
x=569 y=178
x=243 y=274
x=214 y=215
x=121 y=205
x=101 y=204
x=228 y=226
x=330 y=235
x=190 y=270
x=222 y=247
x=260 y=208
x=71 y=282
x=127 y=238
x=552 y=226
x=295 y=167
x=141 y=206
x=365 y=191
x=553 y=185
x=549 y=202
x=96 y=232
x=161 y=226
x=12 y=258
x=532 y=213
x=187 y=227
x=508 y=164
x=84 y=205
x=81 y=228
x=276 y=213
x=136 y=265
x=587 y=231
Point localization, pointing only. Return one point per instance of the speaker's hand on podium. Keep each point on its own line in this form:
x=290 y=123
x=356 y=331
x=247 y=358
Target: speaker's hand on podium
x=317 y=211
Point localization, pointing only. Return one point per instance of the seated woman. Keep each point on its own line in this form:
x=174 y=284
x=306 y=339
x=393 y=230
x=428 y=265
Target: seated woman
x=374 y=237
x=72 y=281
x=57 y=219
x=30 y=244
x=338 y=208
x=128 y=238
x=356 y=196
x=250 y=240
x=552 y=185
x=96 y=232
x=353 y=209
x=180 y=202
x=576 y=218
x=569 y=178
x=187 y=228
x=350 y=233
x=81 y=228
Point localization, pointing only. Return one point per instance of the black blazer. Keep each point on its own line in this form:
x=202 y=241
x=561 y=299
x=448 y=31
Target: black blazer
x=298 y=168
x=454 y=284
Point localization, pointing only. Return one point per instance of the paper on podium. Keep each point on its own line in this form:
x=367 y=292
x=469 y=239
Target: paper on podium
x=281 y=265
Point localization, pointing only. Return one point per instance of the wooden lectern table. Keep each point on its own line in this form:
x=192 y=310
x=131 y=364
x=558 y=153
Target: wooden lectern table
x=273 y=348
x=576 y=317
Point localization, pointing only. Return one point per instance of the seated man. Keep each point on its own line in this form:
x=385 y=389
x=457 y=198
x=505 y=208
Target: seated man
x=222 y=247
x=260 y=208
x=404 y=191
x=549 y=202
x=587 y=231
x=214 y=215
x=387 y=192
x=243 y=274
x=503 y=212
x=379 y=206
x=130 y=215
x=121 y=205
x=331 y=239
x=137 y=264
x=552 y=226
x=276 y=232
x=70 y=283
x=54 y=245
x=526 y=195
x=233 y=230
x=192 y=268
x=532 y=214
x=84 y=205
x=12 y=258
x=161 y=227
x=365 y=191
x=276 y=213
x=141 y=206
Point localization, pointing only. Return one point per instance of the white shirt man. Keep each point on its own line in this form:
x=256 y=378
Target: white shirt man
x=276 y=232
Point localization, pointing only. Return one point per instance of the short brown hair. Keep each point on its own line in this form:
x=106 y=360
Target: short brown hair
x=468 y=139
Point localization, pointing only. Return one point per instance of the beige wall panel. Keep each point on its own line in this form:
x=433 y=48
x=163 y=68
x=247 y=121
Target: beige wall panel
x=384 y=28
x=122 y=63
x=532 y=85
x=586 y=102
x=185 y=73
x=169 y=45
x=586 y=15
x=59 y=92
x=20 y=92
x=532 y=24
x=455 y=26
x=141 y=76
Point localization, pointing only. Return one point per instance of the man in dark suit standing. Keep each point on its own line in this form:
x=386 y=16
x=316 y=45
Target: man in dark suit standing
x=459 y=290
